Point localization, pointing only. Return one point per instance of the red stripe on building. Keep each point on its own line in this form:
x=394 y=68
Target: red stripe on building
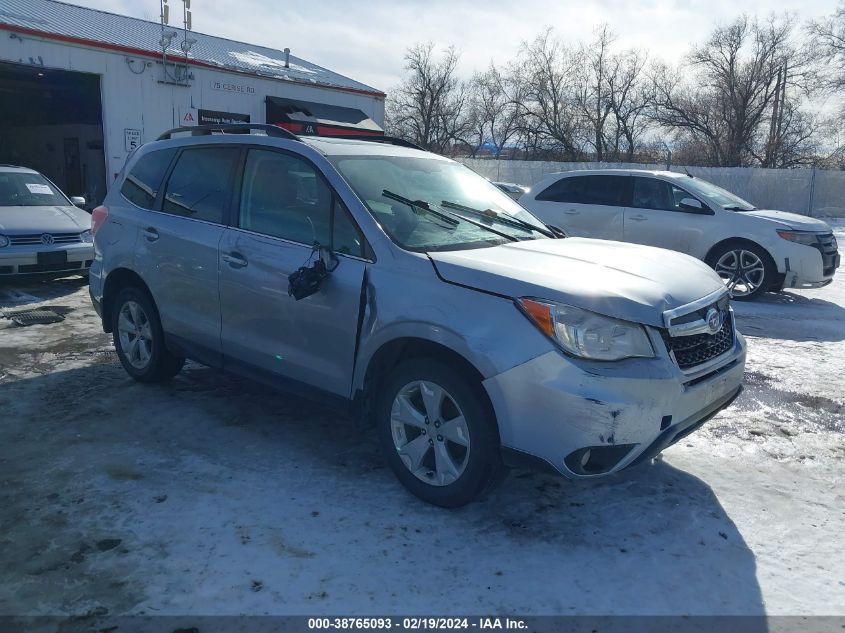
x=119 y=48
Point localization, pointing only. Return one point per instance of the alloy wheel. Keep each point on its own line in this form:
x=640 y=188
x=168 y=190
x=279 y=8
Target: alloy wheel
x=742 y=271
x=430 y=433
x=135 y=334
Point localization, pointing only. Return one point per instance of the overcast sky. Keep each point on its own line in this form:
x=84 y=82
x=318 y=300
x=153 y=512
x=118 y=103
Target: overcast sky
x=366 y=39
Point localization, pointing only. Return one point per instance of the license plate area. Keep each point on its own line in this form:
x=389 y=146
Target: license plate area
x=52 y=258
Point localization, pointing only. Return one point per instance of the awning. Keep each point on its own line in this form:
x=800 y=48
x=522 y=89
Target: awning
x=319 y=119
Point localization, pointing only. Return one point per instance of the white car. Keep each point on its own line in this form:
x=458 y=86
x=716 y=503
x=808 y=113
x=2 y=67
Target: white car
x=42 y=231
x=752 y=250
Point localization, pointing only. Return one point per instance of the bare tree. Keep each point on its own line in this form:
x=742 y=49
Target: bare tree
x=497 y=104
x=828 y=43
x=738 y=99
x=595 y=73
x=550 y=116
x=428 y=106
x=792 y=141
x=730 y=95
x=631 y=98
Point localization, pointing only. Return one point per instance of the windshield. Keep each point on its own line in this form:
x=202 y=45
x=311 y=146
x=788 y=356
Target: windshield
x=718 y=196
x=441 y=185
x=22 y=189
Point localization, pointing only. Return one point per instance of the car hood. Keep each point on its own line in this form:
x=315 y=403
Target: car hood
x=26 y=220
x=789 y=220
x=626 y=281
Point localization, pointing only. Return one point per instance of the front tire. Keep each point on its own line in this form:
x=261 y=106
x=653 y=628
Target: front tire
x=438 y=433
x=747 y=269
x=139 y=339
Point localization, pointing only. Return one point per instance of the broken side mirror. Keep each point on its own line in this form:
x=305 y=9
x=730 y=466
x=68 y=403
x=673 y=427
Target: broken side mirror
x=306 y=280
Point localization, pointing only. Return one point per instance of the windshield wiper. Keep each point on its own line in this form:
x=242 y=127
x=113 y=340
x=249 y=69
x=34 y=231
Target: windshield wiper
x=481 y=225
x=736 y=207
x=449 y=218
x=493 y=215
x=422 y=205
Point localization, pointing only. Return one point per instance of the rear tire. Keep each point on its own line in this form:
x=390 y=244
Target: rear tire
x=139 y=339
x=438 y=433
x=746 y=268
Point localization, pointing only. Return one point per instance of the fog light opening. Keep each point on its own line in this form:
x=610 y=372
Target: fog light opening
x=597 y=460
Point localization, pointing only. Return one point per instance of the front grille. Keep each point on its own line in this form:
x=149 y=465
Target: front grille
x=690 y=351
x=34 y=239
x=826 y=244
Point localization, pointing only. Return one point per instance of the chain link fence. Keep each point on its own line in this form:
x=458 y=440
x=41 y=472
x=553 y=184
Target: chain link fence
x=813 y=192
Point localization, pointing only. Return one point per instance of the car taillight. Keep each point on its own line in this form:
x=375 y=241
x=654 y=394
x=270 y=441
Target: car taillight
x=98 y=217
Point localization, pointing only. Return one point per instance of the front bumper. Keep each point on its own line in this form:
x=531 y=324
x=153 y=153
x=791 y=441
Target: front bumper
x=588 y=419
x=23 y=260
x=805 y=266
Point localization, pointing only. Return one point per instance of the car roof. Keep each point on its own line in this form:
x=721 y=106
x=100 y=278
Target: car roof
x=16 y=168
x=331 y=146
x=270 y=134
x=662 y=173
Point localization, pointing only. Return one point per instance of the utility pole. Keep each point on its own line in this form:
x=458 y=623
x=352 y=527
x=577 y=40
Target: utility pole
x=776 y=125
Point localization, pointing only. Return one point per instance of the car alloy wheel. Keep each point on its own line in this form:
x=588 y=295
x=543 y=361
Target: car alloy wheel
x=742 y=271
x=135 y=334
x=430 y=433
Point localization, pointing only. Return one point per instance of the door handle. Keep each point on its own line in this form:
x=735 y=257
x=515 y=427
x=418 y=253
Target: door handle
x=638 y=218
x=235 y=260
x=572 y=212
x=150 y=234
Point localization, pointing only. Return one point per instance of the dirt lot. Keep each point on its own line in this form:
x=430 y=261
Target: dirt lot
x=211 y=495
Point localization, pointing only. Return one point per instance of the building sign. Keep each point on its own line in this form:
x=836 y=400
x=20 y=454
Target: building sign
x=187 y=117
x=132 y=139
x=213 y=117
x=231 y=86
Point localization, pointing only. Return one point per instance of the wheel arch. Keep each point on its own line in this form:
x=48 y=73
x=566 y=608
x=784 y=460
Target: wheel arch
x=117 y=280
x=735 y=241
x=390 y=353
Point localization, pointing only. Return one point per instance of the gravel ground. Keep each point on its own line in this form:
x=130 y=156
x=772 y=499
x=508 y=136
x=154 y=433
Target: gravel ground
x=212 y=495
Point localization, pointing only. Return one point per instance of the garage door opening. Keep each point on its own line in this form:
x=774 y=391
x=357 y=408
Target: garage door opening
x=52 y=121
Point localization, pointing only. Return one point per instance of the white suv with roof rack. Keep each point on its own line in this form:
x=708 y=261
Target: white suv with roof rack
x=752 y=250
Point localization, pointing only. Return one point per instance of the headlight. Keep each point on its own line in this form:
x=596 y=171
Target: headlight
x=4 y=241
x=802 y=237
x=586 y=334
x=86 y=236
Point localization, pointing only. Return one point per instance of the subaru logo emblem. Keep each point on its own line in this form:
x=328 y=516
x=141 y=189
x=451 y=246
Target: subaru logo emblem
x=714 y=320
x=47 y=239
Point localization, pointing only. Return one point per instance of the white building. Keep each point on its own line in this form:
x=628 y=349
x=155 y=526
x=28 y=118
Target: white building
x=79 y=88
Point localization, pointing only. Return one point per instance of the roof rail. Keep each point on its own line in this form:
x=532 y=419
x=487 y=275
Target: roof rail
x=391 y=140
x=205 y=130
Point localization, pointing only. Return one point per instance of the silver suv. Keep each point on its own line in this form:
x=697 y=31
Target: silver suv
x=411 y=291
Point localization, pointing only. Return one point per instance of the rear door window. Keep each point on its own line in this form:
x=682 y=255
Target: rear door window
x=144 y=179
x=593 y=189
x=200 y=185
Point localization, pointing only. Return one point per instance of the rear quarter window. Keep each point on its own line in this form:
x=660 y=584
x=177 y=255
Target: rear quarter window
x=143 y=182
x=200 y=185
